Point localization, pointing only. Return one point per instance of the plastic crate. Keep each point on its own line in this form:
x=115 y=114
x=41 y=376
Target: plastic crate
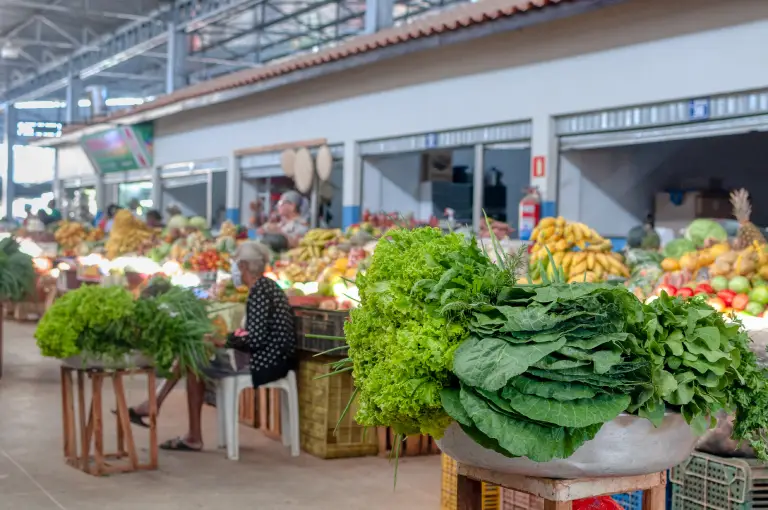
x=311 y=321
x=449 y=489
x=629 y=501
x=321 y=404
x=707 y=482
x=516 y=500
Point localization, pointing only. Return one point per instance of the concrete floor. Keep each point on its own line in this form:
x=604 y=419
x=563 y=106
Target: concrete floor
x=33 y=475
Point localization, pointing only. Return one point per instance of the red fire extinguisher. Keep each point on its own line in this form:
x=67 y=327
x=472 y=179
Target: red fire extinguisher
x=530 y=213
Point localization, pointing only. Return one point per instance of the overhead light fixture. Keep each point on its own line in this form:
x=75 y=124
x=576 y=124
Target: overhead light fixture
x=9 y=51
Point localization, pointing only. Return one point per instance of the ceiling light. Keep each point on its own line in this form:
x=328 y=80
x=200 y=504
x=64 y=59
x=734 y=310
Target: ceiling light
x=9 y=51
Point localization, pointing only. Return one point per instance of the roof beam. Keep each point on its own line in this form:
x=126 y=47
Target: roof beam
x=73 y=11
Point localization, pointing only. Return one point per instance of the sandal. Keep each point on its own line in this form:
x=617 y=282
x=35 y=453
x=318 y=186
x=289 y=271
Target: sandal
x=179 y=444
x=135 y=418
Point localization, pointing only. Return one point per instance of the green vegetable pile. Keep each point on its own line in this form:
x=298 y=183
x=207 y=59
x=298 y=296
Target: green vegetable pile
x=442 y=334
x=106 y=323
x=17 y=273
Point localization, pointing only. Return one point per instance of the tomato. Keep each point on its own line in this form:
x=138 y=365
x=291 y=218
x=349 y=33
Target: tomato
x=704 y=288
x=739 y=302
x=669 y=289
x=727 y=296
x=716 y=303
x=685 y=292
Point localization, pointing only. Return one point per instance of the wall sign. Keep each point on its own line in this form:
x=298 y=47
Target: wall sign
x=539 y=167
x=698 y=109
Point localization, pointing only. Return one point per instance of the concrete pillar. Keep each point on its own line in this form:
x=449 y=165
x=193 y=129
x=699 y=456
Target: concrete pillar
x=9 y=140
x=233 y=190
x=73 y=93
x=352 y=184
x=478 y=185
x=378 y=15
x=157 y=190
x=544 y=163
x=58 y=190
x=175 y=77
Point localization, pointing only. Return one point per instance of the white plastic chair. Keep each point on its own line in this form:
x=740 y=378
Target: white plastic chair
x=228 y=410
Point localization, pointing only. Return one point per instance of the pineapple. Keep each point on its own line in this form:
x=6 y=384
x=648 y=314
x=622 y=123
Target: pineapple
x=748 y=233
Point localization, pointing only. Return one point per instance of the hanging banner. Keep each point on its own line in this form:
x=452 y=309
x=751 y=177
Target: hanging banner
x=120 y=149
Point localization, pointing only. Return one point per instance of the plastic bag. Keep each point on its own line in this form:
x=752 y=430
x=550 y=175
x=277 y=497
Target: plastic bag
x=599 y=503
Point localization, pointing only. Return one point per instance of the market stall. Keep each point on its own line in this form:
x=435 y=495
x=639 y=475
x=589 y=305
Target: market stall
x=265 y=174
x=197 y=188
x=129 y=189
x=425 y=174
x=676 y=160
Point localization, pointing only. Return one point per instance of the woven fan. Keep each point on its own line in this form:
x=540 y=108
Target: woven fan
x=324 y=163
x=304 y=170
x=287 y=162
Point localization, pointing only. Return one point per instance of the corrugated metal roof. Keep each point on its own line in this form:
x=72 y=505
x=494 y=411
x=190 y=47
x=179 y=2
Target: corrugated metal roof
x=452 y=19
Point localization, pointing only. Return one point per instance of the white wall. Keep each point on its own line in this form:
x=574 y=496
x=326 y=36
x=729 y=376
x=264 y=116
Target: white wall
x=623 y=55
x=73 y=162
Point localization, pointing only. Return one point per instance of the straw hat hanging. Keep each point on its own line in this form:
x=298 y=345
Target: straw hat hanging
x=324 y=163
x=287 y=162
x=304 y=170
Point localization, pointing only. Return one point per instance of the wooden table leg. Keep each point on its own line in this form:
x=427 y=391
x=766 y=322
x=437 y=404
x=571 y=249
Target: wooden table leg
x=655 y=499
x=97 y=381
x=85 y=437
x=123 y=419
x=153 y=454
x=68 y=414
x=469 y=493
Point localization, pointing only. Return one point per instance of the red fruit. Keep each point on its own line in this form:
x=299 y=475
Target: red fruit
x=716 y=303
x=685 y=292
x=739 y=302
x=705 y=288
x=669 y=289
x=727 y=296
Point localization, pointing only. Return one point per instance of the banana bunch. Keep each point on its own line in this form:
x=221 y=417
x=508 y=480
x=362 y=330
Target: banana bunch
x=128 y=235
x=593 y=262
x=70 y=234
x=313 y=244
x=556 y=234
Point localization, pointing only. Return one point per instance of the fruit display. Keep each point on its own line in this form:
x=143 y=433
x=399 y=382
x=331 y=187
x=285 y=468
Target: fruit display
x=128 y=235
x=314 y=243
x=325 y=255
x=70 y=235
x=208 y=261
x=737 y=294
x=748 y=233
x=594 y=261
x=229 y=293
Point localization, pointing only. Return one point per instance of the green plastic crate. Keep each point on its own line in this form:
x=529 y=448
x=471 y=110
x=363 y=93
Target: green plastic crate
x=707 y=482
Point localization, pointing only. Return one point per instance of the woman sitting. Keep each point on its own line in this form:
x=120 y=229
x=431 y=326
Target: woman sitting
x=269 y=338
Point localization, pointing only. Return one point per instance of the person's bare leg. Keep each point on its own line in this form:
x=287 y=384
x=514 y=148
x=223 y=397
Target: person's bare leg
x=162 y=392
x=195 y=398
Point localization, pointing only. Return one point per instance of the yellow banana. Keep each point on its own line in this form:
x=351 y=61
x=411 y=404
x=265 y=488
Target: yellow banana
x=579 y=257
x=579 y=268
x=601 y=260
x=590 y=261
x=547 y=222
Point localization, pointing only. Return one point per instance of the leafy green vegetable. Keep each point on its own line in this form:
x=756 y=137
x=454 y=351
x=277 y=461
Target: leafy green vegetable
x=701 y=230
x=676 y=248
x=17 y=273
x=106 y=323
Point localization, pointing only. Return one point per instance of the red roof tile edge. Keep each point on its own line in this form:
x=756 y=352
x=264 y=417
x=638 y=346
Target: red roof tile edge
x=451 y=19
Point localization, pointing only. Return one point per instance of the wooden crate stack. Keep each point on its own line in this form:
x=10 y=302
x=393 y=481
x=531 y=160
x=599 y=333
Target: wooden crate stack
x=412 y=446
x=449 y=489
x=321 y=404
x=260 y=408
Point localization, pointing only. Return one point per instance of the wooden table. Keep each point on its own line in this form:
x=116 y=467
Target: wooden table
x=559 y=494
x=80 y=433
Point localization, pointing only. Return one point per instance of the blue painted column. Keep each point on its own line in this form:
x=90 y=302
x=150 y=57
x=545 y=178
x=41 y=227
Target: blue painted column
x=233 y=189
x=352 y=184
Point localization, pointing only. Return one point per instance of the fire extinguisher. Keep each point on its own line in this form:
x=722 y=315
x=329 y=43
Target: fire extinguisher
x=530 y=213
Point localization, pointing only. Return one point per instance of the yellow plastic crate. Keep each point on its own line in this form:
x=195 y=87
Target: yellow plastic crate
x=449 y=493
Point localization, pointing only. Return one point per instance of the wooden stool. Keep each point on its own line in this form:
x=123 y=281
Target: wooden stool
x=559 y=494
x=91 y=431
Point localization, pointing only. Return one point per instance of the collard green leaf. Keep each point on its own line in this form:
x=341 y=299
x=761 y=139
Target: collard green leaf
x=552 y=363
x=710 y=335
x=451 y=399
x=490 y=363
x=557 y=390
x=602 y=360
x=570 y=413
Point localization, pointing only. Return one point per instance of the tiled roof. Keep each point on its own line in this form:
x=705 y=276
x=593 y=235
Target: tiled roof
x=452 y=19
